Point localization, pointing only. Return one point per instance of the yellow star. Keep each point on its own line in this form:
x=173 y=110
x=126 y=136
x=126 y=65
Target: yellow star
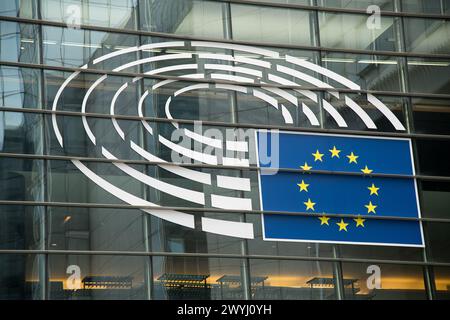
x=359 y=221
x=366 y=170
x=324 y=220
x=317 y=156
x=309 y=204
x=370 y=207
x=352 y=158
x=303 y=186
x=305 y=167
x=342 y=225
x=373 y=189
x=334 y=152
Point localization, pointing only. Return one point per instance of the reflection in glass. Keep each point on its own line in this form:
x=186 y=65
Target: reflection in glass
x=286 y=280
x=187 y=17
x=384 y=282
x=427 y=35
x=385 y=5
x=271 y=25
x=349 y=31
x=437 y=236
x=18 y=8
x=19 y=42
x=19 y=87
x=73 y=228
x=435 y=199
x=21 y=179
x=96 y=277
x=429 y=76
x=19 y=277
x=368 y=71
x=75 y=47
x=431 y=115
x=177 y=278
x=111 y=14
x=442 y=282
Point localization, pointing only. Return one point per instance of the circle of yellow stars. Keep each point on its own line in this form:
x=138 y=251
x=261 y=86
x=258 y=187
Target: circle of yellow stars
x=309 y=204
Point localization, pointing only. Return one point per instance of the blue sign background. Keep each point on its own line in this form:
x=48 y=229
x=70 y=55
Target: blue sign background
x=341 y=194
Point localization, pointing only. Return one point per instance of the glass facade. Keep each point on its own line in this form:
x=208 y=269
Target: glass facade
x=63 y=236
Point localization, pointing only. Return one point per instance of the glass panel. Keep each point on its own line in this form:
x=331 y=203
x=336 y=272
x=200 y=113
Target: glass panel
x=427 y=35
x=103 y=13
x=380 y=252
x=442 y=282
x=438 y=241
x=97 y=277
x=71 y=228
x=431 y=115
x=383 y=282
x=21 y=132
x=289 y=280
x=177 y=278
x=21 y=179
x=349 y=31
x=385 y=5
x=20 y=227
x=18 y=8
x=18 y=42
x=187 y=17
x=368 y=71
x=74 y=47
x=271 y=25
x=435 y=199
x=19 y=276
x=434 y=157
x=429 y=76
x=19 y=87
x=426 y=6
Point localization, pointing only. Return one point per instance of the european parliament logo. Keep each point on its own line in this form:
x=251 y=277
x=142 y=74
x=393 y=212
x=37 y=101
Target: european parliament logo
x=350 y=189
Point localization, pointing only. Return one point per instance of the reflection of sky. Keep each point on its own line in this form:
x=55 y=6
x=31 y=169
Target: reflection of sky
x=12 y=95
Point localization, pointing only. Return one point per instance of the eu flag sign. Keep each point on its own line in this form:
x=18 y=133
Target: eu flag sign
x=358 y=176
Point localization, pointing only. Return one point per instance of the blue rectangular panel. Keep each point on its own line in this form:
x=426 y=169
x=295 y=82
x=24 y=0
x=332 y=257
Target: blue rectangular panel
x=339 y=193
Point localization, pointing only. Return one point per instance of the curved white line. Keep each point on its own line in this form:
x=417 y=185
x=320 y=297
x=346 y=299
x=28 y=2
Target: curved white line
x=141 y=112
x=263 y=52
x=360 y=112
x=180 y=218
x=303 y=76
x=201 y=177
x=231 y=58
x=270 y=100
x=310 y=115
x=334 y=114
x=173 y=68
x=216 y=143
x=231 y=87
x=179 y=192
x=307 y=93
x=191 y=88
x=168 y=114
x=225 y=67
x=386 y=112
x=153 y=59
x=111 y=111
x=83 y=108
x=231 y=78
x=286 y=115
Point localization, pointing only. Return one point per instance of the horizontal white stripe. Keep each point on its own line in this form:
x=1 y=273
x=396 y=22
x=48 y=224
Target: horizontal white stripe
x=241 y=146
x=231 y=203
x=263 y=52
x=205 y=158
x=231 y=87
x=231 y=78
x=225 y=67
x=228 y=228
x=233 y=183
x=173 y=68
x=153 y=59
x=235 y=162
